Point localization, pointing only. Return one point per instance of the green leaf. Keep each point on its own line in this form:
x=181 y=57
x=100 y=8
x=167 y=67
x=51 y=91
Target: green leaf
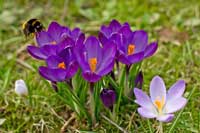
x=97 y=101
x=73 y=101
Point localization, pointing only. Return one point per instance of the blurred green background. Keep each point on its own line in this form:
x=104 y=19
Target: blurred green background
x=174 y=23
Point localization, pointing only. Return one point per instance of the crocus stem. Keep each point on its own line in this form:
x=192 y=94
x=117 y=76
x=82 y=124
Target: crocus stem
x=160 y=129
x=69 y=82
x=118 y=70
x=92 y=107
x=54 y=85
x=112 y=74
x=126 y=90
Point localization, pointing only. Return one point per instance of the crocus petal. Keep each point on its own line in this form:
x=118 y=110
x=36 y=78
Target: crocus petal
x=139 y=80
x=115 y=25
x=126 y=24
x=75 y=33
x=43 y=38
x=140 y=40
x=165 y=118
x=36 y=52
x=126 y=31
x=93 y=48
x=65 y=33
x=176 y=90
x=146 y=113
x=102 y=38
x=67 y=55
x=91 y=77
x=143 y=100
x=134 y=58
x=157 y=89
x=108 y=97
x=123 y=58
x=55 y=30
x=106 y=31
x=21 y=88
x=106 y=69
x=119 y=40
x=65 y=43
x=107 y=62
x=150 y=49
x=172 y=106
x=72 y=69
x=49 y=50
x=55 y=75
x=81 y=57
x=53 y=61
x=80 y=39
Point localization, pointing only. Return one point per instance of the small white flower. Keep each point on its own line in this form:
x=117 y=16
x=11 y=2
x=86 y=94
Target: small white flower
x=21 y=88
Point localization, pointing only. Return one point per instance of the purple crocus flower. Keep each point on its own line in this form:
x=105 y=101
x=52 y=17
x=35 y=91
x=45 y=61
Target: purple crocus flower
x=134 y=47
x=43 y=52
x=54 y=34
x=53 y=40
x=108 y=97
x=161 y=104
x=114 y=27
x=95 y=60
x=60 y=67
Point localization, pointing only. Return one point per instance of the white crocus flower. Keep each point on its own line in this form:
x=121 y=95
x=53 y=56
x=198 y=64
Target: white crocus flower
x=21 y=88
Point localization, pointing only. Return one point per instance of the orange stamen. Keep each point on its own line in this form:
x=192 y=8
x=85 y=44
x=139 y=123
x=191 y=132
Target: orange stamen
x=62 y=65
x=131 y=49
x=159 y=104
x=93 y=64
x=53 y=42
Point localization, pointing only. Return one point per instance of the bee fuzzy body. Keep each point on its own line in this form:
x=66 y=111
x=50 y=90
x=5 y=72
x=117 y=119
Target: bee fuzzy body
x=32 y=26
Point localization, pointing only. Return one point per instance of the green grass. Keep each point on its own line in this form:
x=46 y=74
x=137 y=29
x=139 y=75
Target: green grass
x=43 y=111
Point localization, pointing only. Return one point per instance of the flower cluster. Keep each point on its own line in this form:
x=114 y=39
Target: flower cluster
x=55 y=46
x=132 y=46
x=65 y=51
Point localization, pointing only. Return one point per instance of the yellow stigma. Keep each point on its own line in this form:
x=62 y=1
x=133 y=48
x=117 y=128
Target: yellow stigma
x=131 y=49
x=62 y=65
x=53 y=42
x=93 y=64
x=159 y=104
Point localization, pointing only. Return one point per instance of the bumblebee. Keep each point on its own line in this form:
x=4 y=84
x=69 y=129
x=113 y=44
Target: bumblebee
x=32 y=26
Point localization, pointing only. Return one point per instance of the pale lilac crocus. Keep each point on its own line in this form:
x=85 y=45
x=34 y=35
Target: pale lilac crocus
x=161 y=104
x=21 y=88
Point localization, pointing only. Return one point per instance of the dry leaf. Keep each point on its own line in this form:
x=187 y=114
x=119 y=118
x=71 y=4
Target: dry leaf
x=173 y=36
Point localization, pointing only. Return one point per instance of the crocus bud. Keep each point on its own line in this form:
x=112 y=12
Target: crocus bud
x=108 y=97
x=20 y=87
x=139 y=80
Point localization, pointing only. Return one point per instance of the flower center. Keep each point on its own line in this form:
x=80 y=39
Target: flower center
x=53 y=42
x=131 y=49
x=93 y=64
x=62 y=65
x=159 y=104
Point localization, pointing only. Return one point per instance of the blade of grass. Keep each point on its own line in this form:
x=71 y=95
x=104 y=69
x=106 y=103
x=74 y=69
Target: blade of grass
x=6 y=79
x=113 y=123
x=149 y=125
x=179 y=114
